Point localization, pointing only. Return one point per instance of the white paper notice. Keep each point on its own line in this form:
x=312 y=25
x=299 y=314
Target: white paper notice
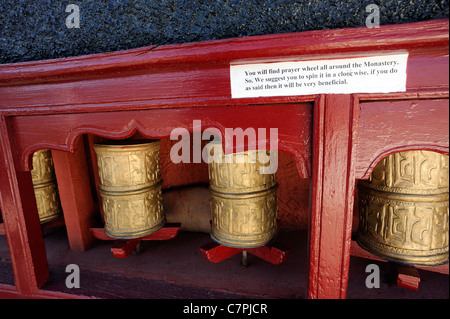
x=375 y=74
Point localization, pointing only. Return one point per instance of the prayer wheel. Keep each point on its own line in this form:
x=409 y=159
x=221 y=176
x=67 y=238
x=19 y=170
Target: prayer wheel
x=243 y=201
x=45 y=187
x=404 y=208
x=130 y=188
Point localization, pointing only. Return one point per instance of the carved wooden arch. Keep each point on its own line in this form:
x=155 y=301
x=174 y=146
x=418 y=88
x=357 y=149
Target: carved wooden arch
x=396 y=125
x=293 y=138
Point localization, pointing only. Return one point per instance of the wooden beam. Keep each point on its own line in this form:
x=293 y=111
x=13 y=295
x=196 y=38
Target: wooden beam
x=21 y=219
x=75 y=193
x=333 y=184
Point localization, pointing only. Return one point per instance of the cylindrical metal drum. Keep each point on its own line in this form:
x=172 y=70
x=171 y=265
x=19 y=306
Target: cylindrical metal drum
x=403 y=208
x=130 y=188
x=45 y=187
x=243 y=201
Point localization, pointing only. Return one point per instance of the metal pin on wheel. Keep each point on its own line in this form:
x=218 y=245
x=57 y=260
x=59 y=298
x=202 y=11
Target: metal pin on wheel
x=244 y=258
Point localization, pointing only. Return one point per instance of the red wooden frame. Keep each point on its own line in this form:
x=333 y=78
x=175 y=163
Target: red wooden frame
x=272 y=253
x=122 y=248
x=334 y=139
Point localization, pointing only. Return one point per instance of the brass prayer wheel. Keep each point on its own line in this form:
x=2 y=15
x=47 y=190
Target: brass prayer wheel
x=403 y=208
x=243 y=201
x=45 y=187
x=130 y=188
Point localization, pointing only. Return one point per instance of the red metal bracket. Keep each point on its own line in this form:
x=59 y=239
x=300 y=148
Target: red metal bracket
x=122 y=248
x=273 y=252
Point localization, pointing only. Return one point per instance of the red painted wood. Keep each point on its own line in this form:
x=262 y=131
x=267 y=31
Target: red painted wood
x=392 y=126
x=211 y=54
x=20 y=218
x=368 y=132
x=124 y=248
x=317 y=195
x=203 y=86
x=333 y=194
x=168 y=231
x=198 y=74
x=292 y=120
x=75 y=195
x=99 y=233
x=407 y=277
x=216 y=252
x=273 y=253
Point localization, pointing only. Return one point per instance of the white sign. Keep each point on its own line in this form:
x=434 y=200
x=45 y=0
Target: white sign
x=374 y=74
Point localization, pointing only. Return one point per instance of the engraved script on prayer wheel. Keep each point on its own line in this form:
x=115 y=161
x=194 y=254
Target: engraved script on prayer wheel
x=243 y=201
x=404 y=211
x=45 y=187
x=130 y=188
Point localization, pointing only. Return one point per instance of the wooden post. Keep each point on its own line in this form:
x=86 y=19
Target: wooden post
x=75 y=193
x=21 y=219
x=333 y=184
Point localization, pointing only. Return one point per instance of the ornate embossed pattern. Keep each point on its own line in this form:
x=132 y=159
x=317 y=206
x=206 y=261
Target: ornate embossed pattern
x=131 y=215
x=130 y=188
x=244 y=220
x=404 y=211
x=235 y=173
x=45 y=188
x=243 y=203
x=128 y=167
x=47 y=201
x=413 y=172
x=43 y=170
